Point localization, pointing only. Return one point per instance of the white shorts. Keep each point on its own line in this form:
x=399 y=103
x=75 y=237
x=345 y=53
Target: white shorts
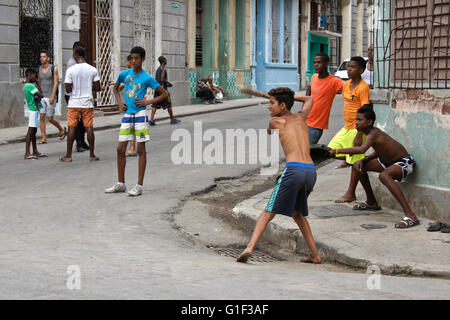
x=48 y=109
x=134 y=125
x=33 y=119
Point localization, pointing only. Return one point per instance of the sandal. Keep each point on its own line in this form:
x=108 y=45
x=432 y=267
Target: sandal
x=362 y=206
x=407 y=223
x=62 y=136
x=434 y=226
x=30 y=157
x=445 y=228
x=41 y=155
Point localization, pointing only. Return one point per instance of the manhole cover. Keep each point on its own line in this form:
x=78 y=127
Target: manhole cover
x=370 y=226
x=234 y=253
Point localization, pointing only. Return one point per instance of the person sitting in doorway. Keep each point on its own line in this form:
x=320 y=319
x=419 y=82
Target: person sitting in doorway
x=205 y=91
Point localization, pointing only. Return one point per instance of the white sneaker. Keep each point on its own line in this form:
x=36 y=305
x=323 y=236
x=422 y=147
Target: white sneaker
x=136 y=191
x=118 y=187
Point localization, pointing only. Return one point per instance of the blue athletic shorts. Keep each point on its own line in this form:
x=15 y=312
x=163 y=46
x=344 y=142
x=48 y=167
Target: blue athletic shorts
x=292 y=189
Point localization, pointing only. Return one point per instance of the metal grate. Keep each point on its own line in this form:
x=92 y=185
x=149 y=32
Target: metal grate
x=35 y=33
x=234 y=253
x=103 y=27
x=412 y=43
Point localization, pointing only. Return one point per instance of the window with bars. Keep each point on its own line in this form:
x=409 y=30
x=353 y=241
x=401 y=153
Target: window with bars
x=35 y=32
x=104 y=46
x=275 y=29
x=287 y=32
x=282 y=31
x=412 y=44
x=198 y=35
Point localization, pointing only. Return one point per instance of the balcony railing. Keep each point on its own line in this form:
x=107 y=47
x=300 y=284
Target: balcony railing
x=332 y=23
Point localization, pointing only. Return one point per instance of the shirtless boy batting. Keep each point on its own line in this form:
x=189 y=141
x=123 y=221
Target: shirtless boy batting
x=390 y=159
x=299 y=176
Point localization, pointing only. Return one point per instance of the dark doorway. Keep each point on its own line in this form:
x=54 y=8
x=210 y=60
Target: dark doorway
x=87 y=35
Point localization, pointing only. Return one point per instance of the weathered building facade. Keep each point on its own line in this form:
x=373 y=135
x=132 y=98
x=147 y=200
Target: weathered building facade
x=219 y=44
x=339 y=28
x=108 y=28
x=412 y=95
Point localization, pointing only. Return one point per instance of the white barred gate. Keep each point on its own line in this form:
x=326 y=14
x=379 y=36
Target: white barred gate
x=104 y=50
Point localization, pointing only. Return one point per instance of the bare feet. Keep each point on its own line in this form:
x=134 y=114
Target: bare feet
x=245 y=255
x=345 y=198
x=65 y=159
x=94 y=158
x=312 y=259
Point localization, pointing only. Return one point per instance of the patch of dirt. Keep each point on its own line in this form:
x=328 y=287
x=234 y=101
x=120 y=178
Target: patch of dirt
x=206 y=219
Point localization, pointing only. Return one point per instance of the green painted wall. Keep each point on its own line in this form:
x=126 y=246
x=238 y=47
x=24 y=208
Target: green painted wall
x=426 y=136
x=240 y=35
x=208 y=29
x=223 y=56
x=314 y=44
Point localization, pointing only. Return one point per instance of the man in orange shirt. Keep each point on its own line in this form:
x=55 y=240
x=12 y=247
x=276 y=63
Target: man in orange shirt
x=323 y=89
x=356 y=93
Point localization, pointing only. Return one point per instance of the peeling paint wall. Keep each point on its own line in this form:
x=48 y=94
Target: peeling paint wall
x=420 y=120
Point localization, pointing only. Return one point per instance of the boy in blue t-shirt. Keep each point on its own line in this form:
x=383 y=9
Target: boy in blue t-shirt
x=135 y=121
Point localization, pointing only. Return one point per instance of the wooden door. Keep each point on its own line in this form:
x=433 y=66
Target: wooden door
x=87 y=30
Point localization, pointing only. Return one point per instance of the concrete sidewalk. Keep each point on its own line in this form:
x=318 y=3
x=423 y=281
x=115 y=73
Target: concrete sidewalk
x=17 y=134
x=340 y=237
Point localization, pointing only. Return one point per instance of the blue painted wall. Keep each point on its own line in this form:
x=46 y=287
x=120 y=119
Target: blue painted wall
x=271 y=75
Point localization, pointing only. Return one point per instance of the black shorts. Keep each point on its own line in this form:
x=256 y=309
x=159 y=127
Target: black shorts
x=167 y=103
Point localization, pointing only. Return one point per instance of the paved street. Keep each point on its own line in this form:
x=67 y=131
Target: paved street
x=55 y=215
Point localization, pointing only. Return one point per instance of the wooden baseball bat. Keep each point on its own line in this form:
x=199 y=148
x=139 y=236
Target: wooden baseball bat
x=254 y=92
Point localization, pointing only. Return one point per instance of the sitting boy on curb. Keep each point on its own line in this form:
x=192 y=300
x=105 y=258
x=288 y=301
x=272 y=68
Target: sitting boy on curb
x=390 y=159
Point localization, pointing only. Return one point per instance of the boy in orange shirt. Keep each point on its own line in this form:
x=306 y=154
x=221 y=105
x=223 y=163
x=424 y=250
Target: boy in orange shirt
x=356 y=93
x=323 y=89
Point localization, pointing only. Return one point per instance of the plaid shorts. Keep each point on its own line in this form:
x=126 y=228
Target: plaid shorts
x=135 y=125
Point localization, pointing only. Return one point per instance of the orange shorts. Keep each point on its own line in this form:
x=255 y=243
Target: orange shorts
x=87 y=114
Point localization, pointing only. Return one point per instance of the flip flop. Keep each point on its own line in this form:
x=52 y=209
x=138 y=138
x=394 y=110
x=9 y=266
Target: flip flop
x=94 y=159
x=445 y=228
x=436 y=226
x=363 y=206
x=30 y=157
x=62 y=136
x=41 y=155
x=407 y=223
x=64 y=159
x=42 y=142
x=130 y=154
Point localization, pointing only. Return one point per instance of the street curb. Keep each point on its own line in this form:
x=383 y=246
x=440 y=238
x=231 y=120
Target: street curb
x=182 y=115
x=291 y=239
